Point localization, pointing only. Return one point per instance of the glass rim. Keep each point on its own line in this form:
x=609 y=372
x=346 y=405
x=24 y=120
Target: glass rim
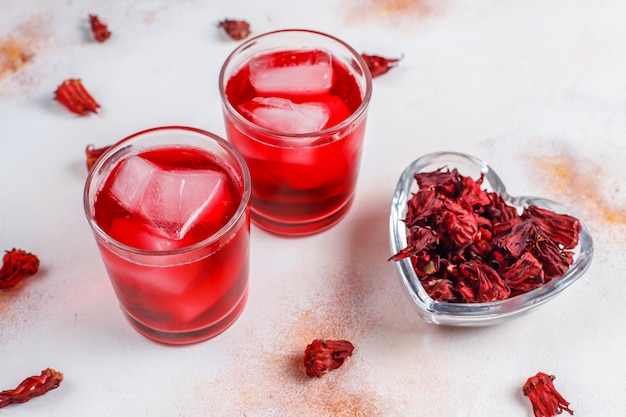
x=367 y=92
x=219 y=234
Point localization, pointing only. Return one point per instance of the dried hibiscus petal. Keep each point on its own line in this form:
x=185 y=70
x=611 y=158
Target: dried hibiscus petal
x=560 y=228
x=479 y=283
x=525 y=274
x=16 y=265
x=439 y=289
x=236 y=29
x=31 y=387
x=92 y=154
x=379 y=65
x=458 y=224
x=322 y=356
x=545 y=399
x=420 y=239
x=100 y=30
x=75 y=98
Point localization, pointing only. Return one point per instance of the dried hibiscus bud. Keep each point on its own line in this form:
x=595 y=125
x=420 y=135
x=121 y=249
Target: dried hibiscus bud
x=16 y=265
x=31 y=387
x=236 y=29
x=92 y=153
x=100 y=30
x=322 y=356
x=379 y=65
x=73 y=95
x=545 y=399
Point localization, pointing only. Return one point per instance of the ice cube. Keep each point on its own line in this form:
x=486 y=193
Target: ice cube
x=142 y=235
x=338 y=109
x=175 y=200
x=131 y=181
x=282 y=115
x=287 y=73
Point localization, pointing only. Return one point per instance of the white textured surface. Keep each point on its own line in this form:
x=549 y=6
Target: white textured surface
x=535 y=88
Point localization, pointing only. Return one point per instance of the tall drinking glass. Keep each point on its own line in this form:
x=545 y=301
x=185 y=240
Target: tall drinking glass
x=295 y=105
x=169 y=209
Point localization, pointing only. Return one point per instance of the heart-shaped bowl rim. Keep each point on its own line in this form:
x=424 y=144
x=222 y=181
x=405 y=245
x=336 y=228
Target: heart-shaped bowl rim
x=475 y=314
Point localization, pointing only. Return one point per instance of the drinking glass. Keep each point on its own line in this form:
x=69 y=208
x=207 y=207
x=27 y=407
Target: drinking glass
x=295 y=105
x=175 y=284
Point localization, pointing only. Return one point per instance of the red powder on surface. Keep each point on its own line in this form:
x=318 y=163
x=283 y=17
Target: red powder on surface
x=579 y=183
x=390 y=9
x=269 y=378
x=14 y=55
x=16 y=307
x=19 y=48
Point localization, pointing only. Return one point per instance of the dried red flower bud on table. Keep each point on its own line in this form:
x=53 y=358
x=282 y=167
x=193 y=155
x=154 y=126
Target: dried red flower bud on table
x=236 y=29
x=31 y=387
x=379 y=65
x=75 y=98
x=545 y=399
x=100 y=30
x=92 y=154
x=322 y=356
x=16 y=265
x=468 y=245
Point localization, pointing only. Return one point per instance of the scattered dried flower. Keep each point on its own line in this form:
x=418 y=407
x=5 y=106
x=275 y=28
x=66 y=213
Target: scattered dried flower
x=545 y=399
x=16 y=265
x=322 y=356
x=236 y=29
x=379 y=65
x=75 y=97
x=92 y=154
x=100 y=30
x=31 y=387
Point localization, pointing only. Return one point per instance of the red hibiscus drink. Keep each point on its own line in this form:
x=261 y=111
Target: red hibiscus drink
x=295 y=105
x=169 y=210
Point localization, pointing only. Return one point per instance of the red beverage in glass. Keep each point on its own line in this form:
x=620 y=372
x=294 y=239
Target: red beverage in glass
x=295 y=107
x=172 y=224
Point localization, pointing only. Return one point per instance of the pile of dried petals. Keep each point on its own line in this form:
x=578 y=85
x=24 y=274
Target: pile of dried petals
x=17 y=264
x=468 y=245
x=322 y=356
x=545 y=399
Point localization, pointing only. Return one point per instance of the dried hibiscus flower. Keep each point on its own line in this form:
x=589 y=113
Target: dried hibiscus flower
x=545 y=399
x=322 y=356
x=467 y=245
x=75 y=97
x=236 y=29
x=100 y=30
x=379 y=65
x=92 y=154
x=31 y=387
x=17 y=264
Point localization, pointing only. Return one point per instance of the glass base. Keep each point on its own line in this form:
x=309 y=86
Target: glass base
x=291 y=229
x=195 y=336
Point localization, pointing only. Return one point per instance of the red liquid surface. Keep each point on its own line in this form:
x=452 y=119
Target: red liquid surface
x=177 y=298
x=304 y=184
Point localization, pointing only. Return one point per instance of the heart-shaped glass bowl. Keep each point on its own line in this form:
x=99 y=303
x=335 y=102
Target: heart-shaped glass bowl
x=475 y=314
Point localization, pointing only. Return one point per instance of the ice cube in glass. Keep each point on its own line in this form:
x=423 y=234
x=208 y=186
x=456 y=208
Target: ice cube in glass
x=292 y=72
